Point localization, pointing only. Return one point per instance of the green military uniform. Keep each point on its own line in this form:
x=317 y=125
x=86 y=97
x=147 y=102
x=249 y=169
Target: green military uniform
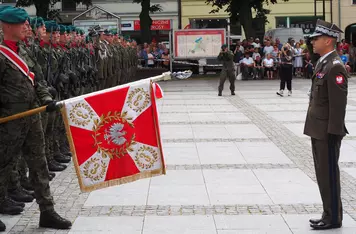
x=227 y=59
x=325 y=124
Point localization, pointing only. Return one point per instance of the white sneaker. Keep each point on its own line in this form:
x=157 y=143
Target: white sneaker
x=280 y=93
x=289 y=93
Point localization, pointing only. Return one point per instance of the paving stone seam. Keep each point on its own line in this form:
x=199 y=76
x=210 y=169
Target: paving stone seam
x=173 y=167
x=199 y=140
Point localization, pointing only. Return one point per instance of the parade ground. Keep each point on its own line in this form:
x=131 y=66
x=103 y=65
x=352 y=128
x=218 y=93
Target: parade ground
x=235 y=165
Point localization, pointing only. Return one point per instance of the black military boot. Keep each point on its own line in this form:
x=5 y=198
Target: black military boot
x=61 y=158
x=8 y=207
x=31 y=193
x=64 y=149
x=51 y=175
x=20 y=196
x=55 y=166
x=50 y=219
x=2 y=226
x=26 y=184
x=15 y=203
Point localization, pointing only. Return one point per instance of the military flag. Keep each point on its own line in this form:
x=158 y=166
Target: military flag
x=114 y=135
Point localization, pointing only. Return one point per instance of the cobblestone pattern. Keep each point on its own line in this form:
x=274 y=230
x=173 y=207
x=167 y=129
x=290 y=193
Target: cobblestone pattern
x=201 y=210
x=295 y=148
x=229 y=166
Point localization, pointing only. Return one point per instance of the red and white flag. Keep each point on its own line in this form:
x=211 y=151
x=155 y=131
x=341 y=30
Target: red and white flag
x=114 y=135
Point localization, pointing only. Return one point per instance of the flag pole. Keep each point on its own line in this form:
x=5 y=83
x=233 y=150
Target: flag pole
x=164 y=76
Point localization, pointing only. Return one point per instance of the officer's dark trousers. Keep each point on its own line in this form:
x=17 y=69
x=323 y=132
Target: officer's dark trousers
x=227 y=74
x=286 y=76
x=25 y=134
x=326 y=156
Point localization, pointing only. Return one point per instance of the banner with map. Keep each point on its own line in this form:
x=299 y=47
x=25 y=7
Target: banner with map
x=114 y=135
x=198 y=43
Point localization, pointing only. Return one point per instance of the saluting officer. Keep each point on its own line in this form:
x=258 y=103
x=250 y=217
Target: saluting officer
x=325 y=122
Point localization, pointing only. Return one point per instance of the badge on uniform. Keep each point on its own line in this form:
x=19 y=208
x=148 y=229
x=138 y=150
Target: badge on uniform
x=336 y=62
x=319 y=75
x=340 y=80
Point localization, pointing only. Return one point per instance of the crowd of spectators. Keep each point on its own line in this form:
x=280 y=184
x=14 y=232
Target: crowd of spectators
x=260 y=60
x=153 y=55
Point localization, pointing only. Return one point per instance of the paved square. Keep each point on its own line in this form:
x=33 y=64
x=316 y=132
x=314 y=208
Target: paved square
x=235 y=165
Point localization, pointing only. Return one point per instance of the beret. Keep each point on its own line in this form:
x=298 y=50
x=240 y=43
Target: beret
x=51 y=26
x=113 y=31
x=37 y=22
x=62 y=29
x=13 y=15
x=223 y=46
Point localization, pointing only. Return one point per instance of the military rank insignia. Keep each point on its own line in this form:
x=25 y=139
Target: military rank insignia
x=340 y=80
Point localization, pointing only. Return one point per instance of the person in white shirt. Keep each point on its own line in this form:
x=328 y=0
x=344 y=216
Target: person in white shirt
x=247 y=65
x=256 y=43
x=256 y=54
x=268 y=64
x=268 y=48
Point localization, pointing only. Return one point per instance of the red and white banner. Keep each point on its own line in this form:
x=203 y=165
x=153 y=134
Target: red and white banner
x=18 y=62
x=156 y=25
x=114 y=135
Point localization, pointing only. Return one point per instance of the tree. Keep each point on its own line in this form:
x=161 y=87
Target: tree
x=44 y=8
x=241 y=10
x=145 y=18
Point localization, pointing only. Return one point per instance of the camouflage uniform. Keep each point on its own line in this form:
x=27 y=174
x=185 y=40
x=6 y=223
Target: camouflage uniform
x=17 y=94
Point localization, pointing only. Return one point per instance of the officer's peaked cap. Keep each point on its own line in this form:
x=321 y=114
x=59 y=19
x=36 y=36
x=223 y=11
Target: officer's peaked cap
x=323 y=28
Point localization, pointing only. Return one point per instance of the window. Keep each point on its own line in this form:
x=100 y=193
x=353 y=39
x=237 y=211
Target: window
x=69 y=5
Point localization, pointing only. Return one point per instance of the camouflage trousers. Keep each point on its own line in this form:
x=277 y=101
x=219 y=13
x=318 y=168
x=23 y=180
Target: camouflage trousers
x=20 y=170
x=25 y=134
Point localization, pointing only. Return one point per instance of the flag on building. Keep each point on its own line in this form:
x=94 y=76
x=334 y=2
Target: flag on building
x=114 y=135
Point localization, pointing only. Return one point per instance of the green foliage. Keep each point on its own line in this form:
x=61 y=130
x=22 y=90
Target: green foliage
x=45 y=8
x=241 y=10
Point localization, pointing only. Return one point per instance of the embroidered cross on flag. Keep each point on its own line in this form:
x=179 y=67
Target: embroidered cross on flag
x=114 y=135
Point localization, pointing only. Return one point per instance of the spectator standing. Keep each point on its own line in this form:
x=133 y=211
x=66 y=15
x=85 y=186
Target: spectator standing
x=298 y=59
x=286 y=70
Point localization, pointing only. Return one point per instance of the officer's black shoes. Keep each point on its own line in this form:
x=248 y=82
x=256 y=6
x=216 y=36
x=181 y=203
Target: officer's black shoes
x=55 y=166
x=219 y=94
x=50 y=219
x=26 y=184
x=232 y=93
x=61 y=158
x=315 y=221
x=324 y=226
x=15 y=203
x=51 y=175
x=20 y=196
x=2 y=226
x=9 y=208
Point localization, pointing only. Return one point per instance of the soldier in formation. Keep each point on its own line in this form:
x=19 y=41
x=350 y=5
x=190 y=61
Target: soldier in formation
x=42 y=62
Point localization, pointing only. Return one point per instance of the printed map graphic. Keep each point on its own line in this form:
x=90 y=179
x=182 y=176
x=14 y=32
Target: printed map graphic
x=195 y=46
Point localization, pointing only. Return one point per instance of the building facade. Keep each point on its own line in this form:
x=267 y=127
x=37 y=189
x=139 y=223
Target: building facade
x=297 y=14
x=344 y=16
x=129 y=15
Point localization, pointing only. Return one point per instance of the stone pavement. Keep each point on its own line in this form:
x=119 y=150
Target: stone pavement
x=235 y=165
